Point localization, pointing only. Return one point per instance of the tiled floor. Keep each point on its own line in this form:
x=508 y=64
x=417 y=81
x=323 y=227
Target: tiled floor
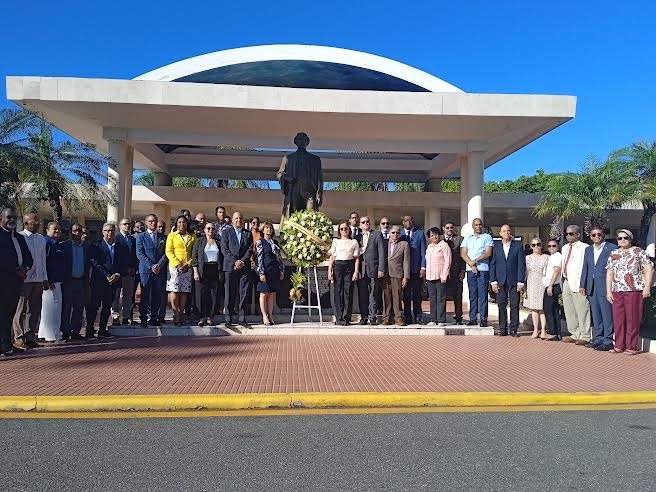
x=263 y=364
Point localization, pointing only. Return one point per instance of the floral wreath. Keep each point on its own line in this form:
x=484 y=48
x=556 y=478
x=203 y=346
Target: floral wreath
x=306 y=237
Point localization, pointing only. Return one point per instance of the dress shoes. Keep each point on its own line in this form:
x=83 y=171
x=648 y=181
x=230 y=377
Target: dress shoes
x=105 y=334
x=373 y=321
x=483 y=324
x=17 y=350
x=155 y=322
x=472 y=322
x=364 y=321
x=387 y=322
x=458 y=321
x=503 y=334
x=244 y=324
x=6 y=354
x=592 y=345
x=143 y=324
x=116 y=322
x=604 y=348
x=514 y=334
x=77 y=337
x=400 y=322
x=569 y=340
x=32 y=344
x=582 y=342
x=420 y=321
x=21 y=345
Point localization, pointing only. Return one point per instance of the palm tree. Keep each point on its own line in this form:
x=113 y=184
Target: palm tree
x=641 y=156
x=66 y=174
x=592 y=193
x=16 y=156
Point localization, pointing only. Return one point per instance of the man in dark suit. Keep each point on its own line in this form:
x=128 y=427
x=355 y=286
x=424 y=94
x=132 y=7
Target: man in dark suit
x=237 y=249
x=122 y=306
x=457 y=271
x=109 y=262
x=593 y=285
x=16 y=261
x=507 y=274
x=373 y=266
x=416 y=240
x=151 y=252
x=75 y=288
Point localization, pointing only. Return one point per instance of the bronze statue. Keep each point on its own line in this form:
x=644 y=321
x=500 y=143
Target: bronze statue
x=301 y=179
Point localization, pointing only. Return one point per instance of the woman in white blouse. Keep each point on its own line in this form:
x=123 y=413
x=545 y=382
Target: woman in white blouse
x=551 y=282
x=343 y=271
x=208 y=272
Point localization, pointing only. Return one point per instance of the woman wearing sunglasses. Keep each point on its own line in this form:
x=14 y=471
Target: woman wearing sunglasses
x=552 y=291
x=536 y=267
x=207 y=261
x=628 y=284
x=343 y=271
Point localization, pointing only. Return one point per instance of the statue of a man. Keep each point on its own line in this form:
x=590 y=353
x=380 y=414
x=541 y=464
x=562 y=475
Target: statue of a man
x=301 y=179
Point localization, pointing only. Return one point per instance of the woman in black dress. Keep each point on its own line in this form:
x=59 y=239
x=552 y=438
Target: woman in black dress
x=270 y=270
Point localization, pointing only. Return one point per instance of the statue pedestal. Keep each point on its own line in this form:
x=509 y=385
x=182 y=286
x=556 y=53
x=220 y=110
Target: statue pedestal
x=309 y=306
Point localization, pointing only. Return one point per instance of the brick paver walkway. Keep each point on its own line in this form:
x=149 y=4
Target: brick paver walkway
x=321 y=363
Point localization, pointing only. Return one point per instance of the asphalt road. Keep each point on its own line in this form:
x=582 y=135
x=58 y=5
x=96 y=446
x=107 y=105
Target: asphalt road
x=599 y=450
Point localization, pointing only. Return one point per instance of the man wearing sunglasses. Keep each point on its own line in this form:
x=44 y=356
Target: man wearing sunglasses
x=507 y=273
x=457 y=271
x=575 y=303
x=593 y=285
x=373 y=266
x=151 y=246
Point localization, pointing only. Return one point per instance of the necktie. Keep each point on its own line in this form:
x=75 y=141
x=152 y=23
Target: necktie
x=569 y=255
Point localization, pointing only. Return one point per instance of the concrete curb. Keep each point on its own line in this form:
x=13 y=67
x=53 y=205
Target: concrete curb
x=253 y=401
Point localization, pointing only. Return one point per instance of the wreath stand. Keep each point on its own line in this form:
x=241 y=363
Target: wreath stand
x=309 y=306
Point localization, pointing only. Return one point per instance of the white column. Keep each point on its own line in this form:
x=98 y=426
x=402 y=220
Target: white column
x=475 y=169
x=112 y=185
x=163 y=212
x=432 y=217
x=464 y=172
x=121 y=155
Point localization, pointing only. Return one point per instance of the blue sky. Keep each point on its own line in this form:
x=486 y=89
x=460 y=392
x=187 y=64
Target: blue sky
x=602 y=52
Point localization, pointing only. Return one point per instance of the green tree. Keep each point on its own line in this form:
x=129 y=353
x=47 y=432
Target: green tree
x=16 y=156
x=591 y=193
x=641 y=157
x=66 y=173
x=537 y=183
x=361 y=186
x=409 y=187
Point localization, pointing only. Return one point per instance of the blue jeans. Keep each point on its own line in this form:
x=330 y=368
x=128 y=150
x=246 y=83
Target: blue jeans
x=478 y=295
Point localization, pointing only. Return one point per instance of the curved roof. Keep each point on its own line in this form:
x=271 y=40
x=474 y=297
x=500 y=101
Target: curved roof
x=300 y=66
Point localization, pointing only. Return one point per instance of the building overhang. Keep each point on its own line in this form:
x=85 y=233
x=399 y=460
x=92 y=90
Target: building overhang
x=399 y=125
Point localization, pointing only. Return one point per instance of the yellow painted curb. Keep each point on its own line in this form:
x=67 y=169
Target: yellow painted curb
x=251 y=401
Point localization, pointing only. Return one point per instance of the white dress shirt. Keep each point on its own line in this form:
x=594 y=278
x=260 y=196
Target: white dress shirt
x=597 y=251
x=36 y=243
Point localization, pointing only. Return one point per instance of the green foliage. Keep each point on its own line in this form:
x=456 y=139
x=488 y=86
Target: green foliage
x=591 y=193
x=451 y=186
x=538 y=183
x=361 y=186
x=409 y=187
x=147 y=178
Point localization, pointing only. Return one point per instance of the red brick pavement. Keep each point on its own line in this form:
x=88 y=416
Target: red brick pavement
x=321 y=363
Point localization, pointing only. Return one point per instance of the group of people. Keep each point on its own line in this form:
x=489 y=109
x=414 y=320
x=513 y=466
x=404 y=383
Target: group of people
x=54 y=288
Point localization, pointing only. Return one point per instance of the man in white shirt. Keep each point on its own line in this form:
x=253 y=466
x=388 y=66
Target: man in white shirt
x=28 y=312
x=575 y=303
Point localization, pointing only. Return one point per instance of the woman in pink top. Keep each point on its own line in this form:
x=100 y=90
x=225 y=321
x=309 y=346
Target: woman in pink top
x=438 y=264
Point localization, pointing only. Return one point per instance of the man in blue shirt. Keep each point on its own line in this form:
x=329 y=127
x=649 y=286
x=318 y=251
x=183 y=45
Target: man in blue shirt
x=476 y=251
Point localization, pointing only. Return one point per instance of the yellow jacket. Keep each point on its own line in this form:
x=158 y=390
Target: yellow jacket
x=177 y=251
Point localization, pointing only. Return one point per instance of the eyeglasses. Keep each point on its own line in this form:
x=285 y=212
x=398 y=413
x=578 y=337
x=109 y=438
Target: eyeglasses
x=209 y=228
x=571 y=233
x=448 y=227
x=552 y=246
x=109 y=230
x=535 y=244
x=623 y=238
x=125 y=223
x=364 y=222
x=343 y=228
x=150 y=220
x=384 y=223
x=11 y=217
x=394 y=232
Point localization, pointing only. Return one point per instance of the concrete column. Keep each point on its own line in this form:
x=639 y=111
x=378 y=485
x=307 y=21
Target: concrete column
x=475 y=170
x=434 y=184
x=162 y=179
x=464 y=173
x=121 y=155
x=112 y=185
x=432 y=217
x=163 y=212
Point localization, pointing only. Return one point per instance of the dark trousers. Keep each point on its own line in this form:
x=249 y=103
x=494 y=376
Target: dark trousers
x=437 y=296
x=236 y=290
x=508 y=294
x=552 y=310
x=602 y=318
x=343 y=289
x=74 y=299
x=209 y=290
x=412 y=298
x=101 y=295
x=392 y=297
x=9 y=295
x=369 y=292
x=152 y=286
x=478 y=295
x=627 y=315
x=454 y=287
